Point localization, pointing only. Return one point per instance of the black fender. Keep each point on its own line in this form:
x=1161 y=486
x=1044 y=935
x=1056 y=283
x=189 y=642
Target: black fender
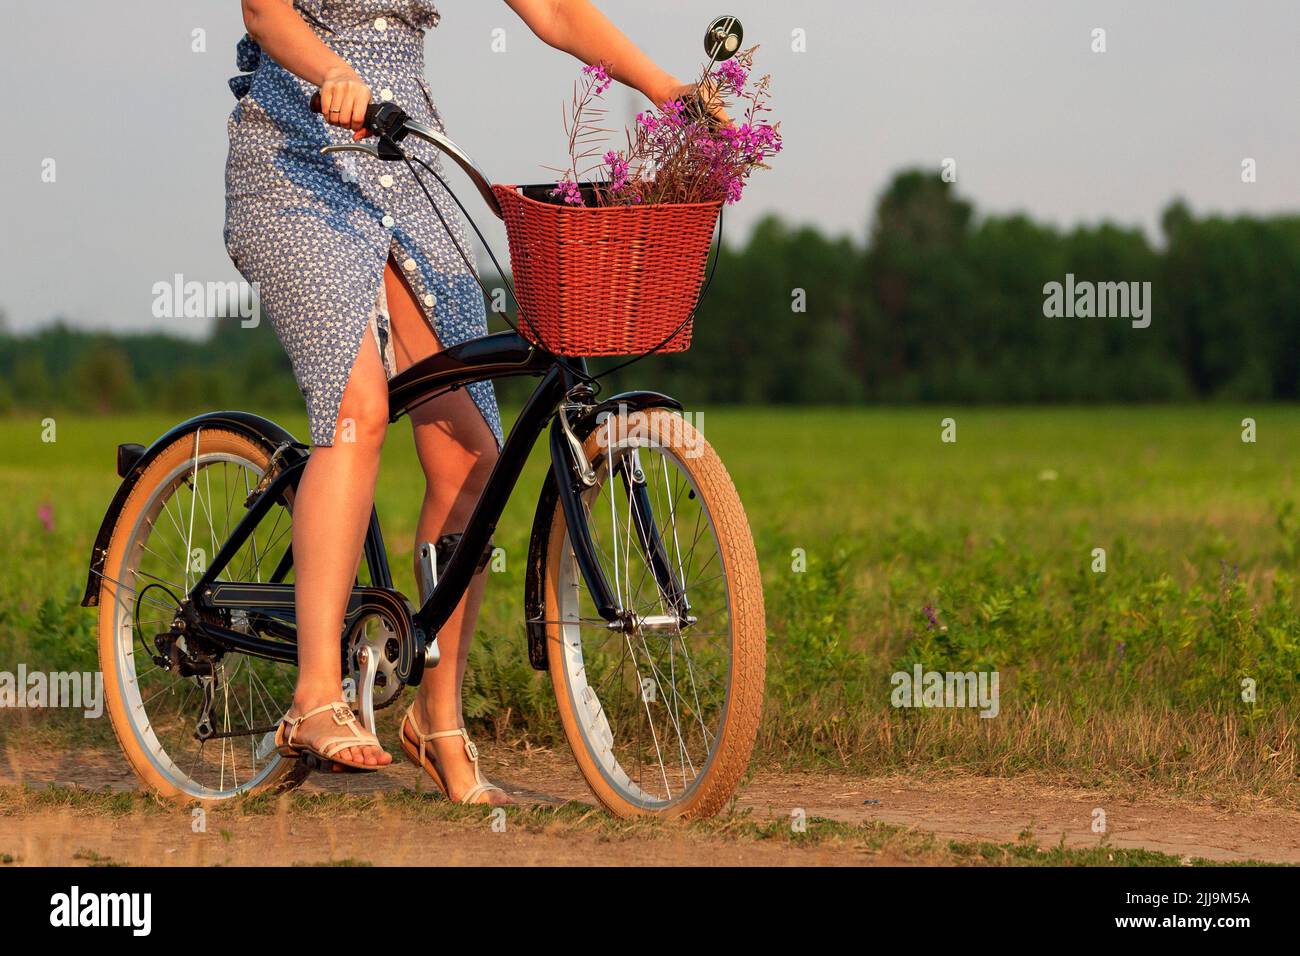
x=535 y=572
x=132 y=462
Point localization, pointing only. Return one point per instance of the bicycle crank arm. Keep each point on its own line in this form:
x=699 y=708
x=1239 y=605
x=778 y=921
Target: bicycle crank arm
x=366 y=692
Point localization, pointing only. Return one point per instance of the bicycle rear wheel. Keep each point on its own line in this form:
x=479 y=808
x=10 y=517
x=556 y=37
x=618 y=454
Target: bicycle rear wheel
x=661 y=713
x=194 y=722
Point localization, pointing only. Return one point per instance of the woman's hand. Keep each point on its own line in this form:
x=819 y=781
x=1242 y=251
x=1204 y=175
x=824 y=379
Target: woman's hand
x=344 y=97
x=284 y=36
x=577 y=27
x=707 y=92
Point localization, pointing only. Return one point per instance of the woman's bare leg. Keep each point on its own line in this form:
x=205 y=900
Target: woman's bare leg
x=457 y=451
x=330 y=515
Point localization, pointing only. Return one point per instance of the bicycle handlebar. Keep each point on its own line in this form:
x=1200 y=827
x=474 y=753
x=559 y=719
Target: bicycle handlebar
x=392 y=124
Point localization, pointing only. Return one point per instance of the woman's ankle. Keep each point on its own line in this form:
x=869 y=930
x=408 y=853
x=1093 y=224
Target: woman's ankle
x=432 y=717
x=308 y=697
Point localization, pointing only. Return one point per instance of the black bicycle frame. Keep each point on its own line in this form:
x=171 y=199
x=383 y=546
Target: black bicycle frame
x=501 y=355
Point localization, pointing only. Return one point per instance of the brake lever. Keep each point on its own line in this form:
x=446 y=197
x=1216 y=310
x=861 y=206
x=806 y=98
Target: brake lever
x=352 y=148
x=386 y=150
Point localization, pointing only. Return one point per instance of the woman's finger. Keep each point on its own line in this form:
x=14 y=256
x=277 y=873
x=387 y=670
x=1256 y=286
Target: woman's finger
x=338 y=99
x=360 y=102
x=329 y=101
x=343 y=116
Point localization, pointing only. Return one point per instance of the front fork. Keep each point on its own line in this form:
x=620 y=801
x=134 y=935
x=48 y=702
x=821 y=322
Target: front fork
x=574 y=475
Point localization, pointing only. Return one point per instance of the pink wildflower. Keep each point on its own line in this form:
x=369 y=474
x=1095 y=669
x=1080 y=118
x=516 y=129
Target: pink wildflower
x=677 y=156
x=599 y=76
x=618 y=170
x=567 y=190
x=732 y=74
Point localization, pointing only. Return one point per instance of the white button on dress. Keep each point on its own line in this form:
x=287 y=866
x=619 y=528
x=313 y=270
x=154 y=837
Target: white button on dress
x=386 y=95
x=386 y=181
x=381 y=24
x=388 y=222
x=430 y=301
x=409 y=265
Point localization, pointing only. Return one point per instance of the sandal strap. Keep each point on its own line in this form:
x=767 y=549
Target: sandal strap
x=479 y=789
x=432 y=735
x=329 y=746
x=471 y=751
x=344 y=717
x=424 y=739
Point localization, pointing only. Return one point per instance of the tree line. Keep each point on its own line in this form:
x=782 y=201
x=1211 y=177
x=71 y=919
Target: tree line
x=932 y=304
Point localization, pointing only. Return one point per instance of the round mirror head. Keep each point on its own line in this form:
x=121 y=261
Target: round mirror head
x=722 y=39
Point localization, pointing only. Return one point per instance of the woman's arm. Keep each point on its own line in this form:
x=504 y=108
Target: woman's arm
x=287 y=39
x=578 y=28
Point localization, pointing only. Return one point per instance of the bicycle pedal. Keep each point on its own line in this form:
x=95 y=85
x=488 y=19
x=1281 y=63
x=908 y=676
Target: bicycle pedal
x=320 y=765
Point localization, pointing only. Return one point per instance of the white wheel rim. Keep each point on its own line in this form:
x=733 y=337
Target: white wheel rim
x=138 y=720
x=676 y=780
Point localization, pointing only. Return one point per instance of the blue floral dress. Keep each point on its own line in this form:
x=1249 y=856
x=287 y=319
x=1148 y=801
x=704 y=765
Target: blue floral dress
x=314 y=231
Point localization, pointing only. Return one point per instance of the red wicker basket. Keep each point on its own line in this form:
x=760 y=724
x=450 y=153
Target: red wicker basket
x=606 y=280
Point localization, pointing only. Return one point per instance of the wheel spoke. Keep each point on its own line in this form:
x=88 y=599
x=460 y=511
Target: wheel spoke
x=649 y=696
x=201 y=499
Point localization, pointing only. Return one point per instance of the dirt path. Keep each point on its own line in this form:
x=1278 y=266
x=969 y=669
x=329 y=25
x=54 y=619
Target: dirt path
x=952 y=808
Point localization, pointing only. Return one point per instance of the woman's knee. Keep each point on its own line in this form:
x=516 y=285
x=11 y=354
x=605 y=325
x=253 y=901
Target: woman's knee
x=477 y=478
x=363 y=410
x=458 y=471
x=455 y=477
x=363 y=417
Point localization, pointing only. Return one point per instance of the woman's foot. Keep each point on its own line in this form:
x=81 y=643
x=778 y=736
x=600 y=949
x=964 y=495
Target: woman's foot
x=449 y=757
x=316 y=733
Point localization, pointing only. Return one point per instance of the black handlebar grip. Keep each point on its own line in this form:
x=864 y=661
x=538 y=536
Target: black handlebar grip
x=372 y=111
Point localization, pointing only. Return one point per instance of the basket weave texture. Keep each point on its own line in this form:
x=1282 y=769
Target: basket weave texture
x=606 y=280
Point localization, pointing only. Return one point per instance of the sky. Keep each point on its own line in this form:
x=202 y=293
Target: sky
x=1011 y=90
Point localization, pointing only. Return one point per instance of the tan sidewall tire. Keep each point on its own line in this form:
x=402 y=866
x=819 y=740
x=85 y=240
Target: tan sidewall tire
x=749 y=629
x=211 y=441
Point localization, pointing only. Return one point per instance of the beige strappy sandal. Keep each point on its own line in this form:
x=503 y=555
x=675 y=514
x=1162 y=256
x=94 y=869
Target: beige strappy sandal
x=429 y=763
x=322 y=754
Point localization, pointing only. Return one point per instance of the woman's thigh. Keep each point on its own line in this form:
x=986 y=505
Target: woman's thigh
x=451 y=436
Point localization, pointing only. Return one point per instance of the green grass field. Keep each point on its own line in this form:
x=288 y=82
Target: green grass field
x=973 y=555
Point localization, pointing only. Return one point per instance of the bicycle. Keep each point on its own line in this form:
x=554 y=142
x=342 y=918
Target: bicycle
x=642 y=596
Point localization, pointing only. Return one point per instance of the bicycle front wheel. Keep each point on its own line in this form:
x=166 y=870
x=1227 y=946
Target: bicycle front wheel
x=661 y=711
